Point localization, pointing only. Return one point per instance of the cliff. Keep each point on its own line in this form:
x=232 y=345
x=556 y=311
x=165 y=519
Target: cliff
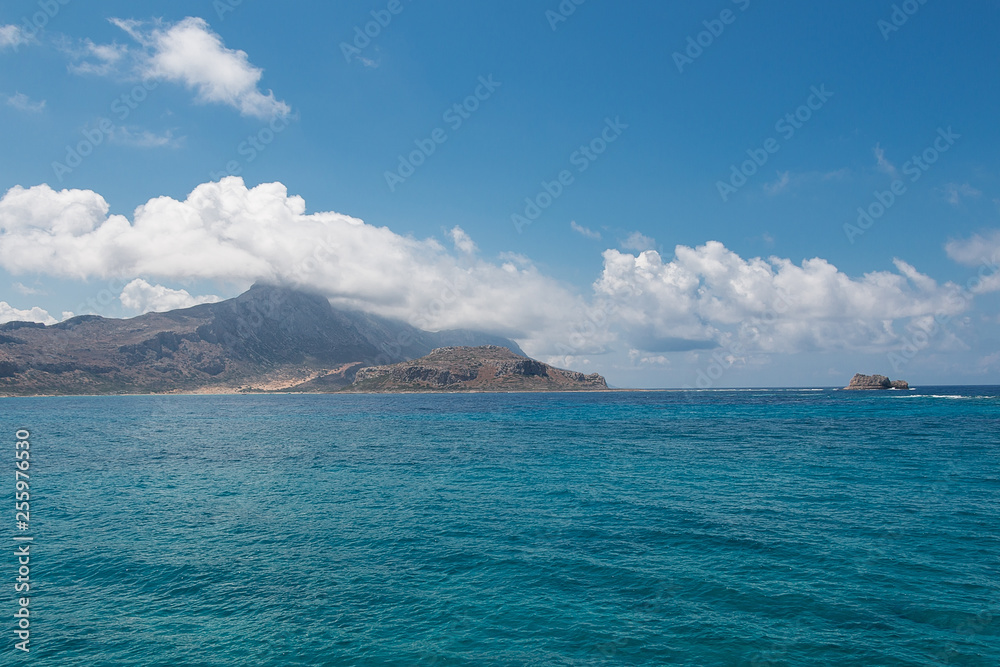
x=484 y=368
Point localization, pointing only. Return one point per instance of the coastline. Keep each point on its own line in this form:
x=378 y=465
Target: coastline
x=615 y=390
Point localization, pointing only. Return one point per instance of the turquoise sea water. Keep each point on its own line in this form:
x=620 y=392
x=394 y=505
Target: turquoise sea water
x=756 y=528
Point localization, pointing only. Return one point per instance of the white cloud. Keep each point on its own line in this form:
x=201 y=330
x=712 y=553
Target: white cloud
x=780 y=185
x=982 y=252
x=142 y=297
x=22 y=102
x=638 y=242
x=883 y=163
x=709 y=295
x=139 y=138
x=585 y=231
x=11 y=36
x=637 y=357
x=10 y=314
x=188 y=53
x=27 y=291
x=705 y=297
x=226 y=232
x=955 y=191
x=463 y=242
x=976 y=250
x=105 y=59
x=836 y=175
x=989 y=363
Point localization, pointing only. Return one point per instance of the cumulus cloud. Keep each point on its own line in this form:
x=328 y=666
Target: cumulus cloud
x=463 y=242
x=709 y=296
x=981 y=251
x=22 y=102
x=704 y=297
x=224 y=231
x=188 y=53
x=584 y=231
x=10 y=314
x=976 y=250
x=142 y=297
x=11 y=36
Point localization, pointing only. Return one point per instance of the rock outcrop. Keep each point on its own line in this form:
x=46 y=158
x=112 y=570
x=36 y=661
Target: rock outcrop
x=484 y=368
x=860 y=381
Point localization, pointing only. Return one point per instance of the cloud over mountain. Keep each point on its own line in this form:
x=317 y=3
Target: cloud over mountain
x=225 y=232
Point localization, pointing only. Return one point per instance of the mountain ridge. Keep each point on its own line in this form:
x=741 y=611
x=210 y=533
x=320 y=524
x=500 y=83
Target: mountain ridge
x=268 y=338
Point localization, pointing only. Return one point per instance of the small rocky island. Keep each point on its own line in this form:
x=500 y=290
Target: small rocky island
x=483 y=368
x=860 y=381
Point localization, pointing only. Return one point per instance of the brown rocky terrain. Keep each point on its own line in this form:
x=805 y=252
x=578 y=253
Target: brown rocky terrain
x=861 y=382
x=484 y=368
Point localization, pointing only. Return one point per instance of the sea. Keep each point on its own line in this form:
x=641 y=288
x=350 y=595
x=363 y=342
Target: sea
x=756 y=527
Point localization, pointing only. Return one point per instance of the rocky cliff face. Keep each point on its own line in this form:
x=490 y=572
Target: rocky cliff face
x=860 y=381
x=265 y=339
x=484 y=368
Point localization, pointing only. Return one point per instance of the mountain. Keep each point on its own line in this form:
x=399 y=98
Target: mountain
x=485 y=368
x=268 y=338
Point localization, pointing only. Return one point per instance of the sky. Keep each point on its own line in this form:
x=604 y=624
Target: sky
x=724 y=193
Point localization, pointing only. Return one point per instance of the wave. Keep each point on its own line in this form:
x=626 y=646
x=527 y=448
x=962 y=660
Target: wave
x=948 y=396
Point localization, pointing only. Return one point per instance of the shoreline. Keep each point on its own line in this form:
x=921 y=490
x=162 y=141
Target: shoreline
x=616 y=390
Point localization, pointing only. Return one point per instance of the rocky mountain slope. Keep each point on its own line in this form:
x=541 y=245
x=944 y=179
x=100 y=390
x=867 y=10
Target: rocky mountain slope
x=486 y=368
x=268 y=338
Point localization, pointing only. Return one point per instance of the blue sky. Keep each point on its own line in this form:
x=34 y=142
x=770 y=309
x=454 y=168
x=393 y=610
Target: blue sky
x=652 y=263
